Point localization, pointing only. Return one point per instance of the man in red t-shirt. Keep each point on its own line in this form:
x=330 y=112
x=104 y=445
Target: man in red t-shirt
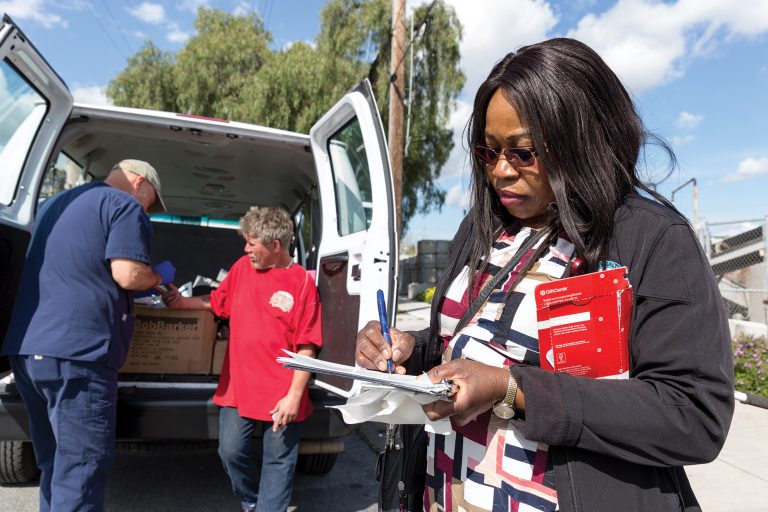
x=272 y=304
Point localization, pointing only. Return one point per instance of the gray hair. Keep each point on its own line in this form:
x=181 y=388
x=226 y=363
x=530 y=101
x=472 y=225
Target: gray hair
x=268 y=223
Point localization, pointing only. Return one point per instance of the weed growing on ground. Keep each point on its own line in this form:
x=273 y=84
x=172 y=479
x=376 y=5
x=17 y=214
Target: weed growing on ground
x=750 y=364
x=427 y=295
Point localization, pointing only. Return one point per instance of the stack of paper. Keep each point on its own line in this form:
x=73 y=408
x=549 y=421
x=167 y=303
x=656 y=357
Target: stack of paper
x=383 y=397
x=416 y=384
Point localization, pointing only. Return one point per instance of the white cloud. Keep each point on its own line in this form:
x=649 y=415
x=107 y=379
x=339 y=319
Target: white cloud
x=648 y=43
x=73 y=5
x=34 y=10
x=176 y=35
x=485 y=40
x=491 y=29
x=681 y=140
x=736 y=19
x=149 y=12
x=458 y=164
x=458 y=197
x=688 y=121
x=242 y=9
x=730 y=228
x=749 y=168
x=191 y=5
x=94 y=95
x=641 y=41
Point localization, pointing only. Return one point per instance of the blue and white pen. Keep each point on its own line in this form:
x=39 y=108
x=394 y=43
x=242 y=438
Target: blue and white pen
x=384 y=325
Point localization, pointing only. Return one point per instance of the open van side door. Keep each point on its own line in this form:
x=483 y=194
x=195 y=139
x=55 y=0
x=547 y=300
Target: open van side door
x=34 y=105
x=357 y=253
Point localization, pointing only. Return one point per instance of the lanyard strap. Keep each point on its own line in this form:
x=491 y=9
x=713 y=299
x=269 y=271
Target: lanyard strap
x=502 y=274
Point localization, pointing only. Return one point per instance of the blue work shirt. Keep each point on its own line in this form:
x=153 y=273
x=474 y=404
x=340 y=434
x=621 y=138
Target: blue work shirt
x=68 y=305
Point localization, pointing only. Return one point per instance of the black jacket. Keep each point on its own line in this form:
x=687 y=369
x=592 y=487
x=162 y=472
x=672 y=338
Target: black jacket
x=621 y=444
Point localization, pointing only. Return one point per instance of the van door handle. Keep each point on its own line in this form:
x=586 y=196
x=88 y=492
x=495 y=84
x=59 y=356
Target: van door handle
x=333 y=264
x=379 y=260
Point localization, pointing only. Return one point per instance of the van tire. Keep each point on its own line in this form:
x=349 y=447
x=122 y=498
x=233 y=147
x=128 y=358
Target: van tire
x=17 y=463
x=316 y=463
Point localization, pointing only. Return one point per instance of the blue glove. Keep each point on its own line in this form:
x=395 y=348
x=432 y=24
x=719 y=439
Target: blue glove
x=166 y=270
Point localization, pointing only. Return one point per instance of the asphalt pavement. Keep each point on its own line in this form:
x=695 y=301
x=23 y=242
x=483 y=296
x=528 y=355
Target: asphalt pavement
x=196 y=482
x=736 y=480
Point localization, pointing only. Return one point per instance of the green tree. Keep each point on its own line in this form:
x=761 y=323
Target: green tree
x=268 y=101
x=214 y=67
x=319 y=75
x=227 y=70
x=355 y=41
x=147 y=81
x=437 y=82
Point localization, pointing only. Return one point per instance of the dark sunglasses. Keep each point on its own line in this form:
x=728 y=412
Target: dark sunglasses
x=516 y=157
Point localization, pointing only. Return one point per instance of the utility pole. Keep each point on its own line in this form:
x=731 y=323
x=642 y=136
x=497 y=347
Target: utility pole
x=396 y=105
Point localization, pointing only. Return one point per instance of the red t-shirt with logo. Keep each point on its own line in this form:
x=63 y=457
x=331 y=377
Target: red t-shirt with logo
x=268 y=310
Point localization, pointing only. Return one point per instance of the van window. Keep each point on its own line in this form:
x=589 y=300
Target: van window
x=64 y=174
x=22 y=110
x=208 y=222
x=352 y=179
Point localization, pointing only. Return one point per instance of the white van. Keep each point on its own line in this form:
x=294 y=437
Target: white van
x=336 y=181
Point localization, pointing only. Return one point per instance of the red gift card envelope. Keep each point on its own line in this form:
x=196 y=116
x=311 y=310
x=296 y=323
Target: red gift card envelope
x=583 y=324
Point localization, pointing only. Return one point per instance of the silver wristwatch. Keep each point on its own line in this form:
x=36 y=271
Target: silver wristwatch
x=506 y=408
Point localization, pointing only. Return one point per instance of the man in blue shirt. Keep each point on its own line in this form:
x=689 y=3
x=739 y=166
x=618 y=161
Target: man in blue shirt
x=72 y=323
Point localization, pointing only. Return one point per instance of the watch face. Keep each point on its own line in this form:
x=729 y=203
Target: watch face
x=503 y=411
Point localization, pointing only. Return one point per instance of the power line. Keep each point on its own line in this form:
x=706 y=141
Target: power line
x=269 y=14
x=410 y=42
x=106 y=32
x=136 y=18
x=117 y=26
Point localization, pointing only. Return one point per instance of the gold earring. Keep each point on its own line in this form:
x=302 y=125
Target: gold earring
x=508 y=171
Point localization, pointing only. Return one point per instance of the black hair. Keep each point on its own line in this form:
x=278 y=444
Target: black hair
x=589 y=137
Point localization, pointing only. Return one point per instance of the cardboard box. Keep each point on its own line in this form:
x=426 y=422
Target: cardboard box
x=171 y=341
x=219 y=349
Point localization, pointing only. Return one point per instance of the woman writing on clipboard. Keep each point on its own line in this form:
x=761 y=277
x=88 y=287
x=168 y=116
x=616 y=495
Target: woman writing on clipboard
x=555 y=141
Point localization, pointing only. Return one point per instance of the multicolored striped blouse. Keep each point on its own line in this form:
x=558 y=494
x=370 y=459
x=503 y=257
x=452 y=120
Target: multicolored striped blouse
x=487 y=465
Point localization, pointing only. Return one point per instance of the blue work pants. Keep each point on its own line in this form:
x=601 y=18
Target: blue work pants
x=71 y=407
x=271 y=492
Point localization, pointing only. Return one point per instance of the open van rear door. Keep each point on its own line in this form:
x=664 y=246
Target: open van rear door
x=34 y=105
x=357 y=253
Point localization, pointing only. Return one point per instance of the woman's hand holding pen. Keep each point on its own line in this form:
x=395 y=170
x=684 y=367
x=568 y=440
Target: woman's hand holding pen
x=372 y=350
x=476 y=387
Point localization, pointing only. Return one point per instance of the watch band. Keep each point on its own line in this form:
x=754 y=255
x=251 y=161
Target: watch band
x=506 y=408
x=509 y=398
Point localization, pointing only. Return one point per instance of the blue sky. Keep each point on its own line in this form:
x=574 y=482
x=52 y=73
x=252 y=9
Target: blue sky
x=697 y=69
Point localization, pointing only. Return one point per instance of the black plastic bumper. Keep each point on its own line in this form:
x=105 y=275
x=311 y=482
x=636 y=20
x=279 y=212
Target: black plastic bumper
x=176 y=413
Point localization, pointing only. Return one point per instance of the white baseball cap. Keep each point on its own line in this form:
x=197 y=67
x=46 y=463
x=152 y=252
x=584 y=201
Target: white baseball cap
x=142 y=168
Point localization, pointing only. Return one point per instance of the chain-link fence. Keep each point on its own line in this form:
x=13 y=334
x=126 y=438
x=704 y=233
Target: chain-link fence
x=736 y=252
